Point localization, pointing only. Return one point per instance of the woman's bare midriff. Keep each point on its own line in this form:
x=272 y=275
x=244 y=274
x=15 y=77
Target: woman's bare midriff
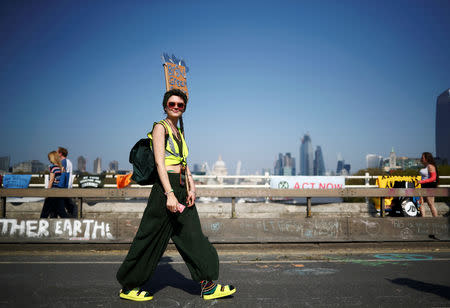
x=174 y=168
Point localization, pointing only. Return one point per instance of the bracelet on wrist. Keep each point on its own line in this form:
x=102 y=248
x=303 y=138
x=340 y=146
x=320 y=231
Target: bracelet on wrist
x=170 y=191
x=193 y=191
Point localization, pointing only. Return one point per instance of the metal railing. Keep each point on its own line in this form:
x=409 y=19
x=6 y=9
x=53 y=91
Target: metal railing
x=264 y=181
x=233 y=193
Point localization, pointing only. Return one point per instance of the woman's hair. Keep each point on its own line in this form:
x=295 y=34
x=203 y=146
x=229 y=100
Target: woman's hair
x=176 y=92
x=53 y=157
x=429 y=159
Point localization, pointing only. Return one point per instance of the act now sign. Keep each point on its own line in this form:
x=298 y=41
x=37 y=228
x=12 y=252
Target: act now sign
x=307 y=182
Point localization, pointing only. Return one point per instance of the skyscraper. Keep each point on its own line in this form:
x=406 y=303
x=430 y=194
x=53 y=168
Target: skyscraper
x=278 y=165
x=443 y=126
x=114 y=166
x=319 y=165
x=81 y=165
x=347 y=168
x=340 y=166
x=306 y=156
x=288 y=164
x=4 y=163
x=392 y=159
x=37 y=166
x=284 y=165
x=374 y=161
x=98 y=165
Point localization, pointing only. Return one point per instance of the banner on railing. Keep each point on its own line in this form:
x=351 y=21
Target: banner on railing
x=91 y=181
x=16 y=180
x=307 y=182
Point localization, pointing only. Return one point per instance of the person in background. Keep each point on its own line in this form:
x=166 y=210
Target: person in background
x=70 y=206
x=54 y=207
x=430 y=179
x=66 y=163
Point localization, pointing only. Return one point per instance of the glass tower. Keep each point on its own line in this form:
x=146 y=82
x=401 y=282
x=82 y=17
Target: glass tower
x=374 y=161
x=443 y=127
x=306 y=156
x=278 y=166
x=284 y=165
x=319 y=165
x=81 y=164
x=98 y=165
x=4 y=163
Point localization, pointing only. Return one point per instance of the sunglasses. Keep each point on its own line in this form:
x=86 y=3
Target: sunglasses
x=172 y=105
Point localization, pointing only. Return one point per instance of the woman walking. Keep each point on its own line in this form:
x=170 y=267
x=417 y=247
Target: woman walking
x=54 y=207
x=430 y=179
x=171 y=214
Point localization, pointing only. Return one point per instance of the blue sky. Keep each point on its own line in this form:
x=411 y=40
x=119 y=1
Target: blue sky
x=359 y=76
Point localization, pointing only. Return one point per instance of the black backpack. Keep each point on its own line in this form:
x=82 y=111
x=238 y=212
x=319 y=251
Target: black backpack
x=143 y=161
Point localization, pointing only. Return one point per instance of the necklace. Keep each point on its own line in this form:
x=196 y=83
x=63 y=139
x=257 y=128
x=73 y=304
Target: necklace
x=173 y=128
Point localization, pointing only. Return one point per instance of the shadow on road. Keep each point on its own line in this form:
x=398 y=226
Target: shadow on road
x=437 y=289
x=165 y=276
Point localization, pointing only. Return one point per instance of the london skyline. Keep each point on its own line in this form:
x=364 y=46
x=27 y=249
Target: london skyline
x=358 y=76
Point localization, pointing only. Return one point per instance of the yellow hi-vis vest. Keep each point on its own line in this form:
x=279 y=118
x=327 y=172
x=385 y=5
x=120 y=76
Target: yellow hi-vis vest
x=173 y=155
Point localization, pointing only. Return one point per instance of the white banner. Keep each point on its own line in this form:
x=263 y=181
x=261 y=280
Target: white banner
x=307 y=182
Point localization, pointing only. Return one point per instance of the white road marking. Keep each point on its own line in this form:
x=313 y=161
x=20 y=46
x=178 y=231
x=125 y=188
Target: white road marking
x=234 y=262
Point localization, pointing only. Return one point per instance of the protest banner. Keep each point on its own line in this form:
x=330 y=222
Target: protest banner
x=307 y=182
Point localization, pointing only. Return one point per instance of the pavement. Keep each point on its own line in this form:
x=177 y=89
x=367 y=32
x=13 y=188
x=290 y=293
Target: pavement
x=403 y=274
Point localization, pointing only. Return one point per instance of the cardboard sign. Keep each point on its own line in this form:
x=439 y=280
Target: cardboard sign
x=175 y=77
x=91 y=181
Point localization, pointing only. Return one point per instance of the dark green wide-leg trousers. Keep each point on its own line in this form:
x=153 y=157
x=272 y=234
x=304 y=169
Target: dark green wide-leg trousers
x=158 y=225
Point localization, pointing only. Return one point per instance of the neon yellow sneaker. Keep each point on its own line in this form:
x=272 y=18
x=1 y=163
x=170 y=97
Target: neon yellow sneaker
x=220 y=291
x=136 y=294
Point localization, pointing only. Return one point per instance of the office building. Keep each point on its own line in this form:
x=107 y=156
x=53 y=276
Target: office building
x=278 y=166
x=306 y=156
x=319 y=165
x=114 y=166
x=288 y=164
x=37 y=167
x=4 y=163
x=81 y=164
x=23 y=167
x=32 y=167
x=284 y=165
x=405 y=163
x=196 y=168
x=346 y=168
x=443 y=127
x=340 y=166
x=392 y=160
x=374 y=161
x=98 y=165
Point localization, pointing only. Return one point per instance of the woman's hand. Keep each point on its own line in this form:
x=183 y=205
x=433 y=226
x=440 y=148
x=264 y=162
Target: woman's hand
x=172 y=203
x=191 y=198
x=51 y=180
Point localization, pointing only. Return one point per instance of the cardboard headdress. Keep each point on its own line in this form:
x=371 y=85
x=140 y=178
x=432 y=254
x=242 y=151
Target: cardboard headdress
x=175 y=73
